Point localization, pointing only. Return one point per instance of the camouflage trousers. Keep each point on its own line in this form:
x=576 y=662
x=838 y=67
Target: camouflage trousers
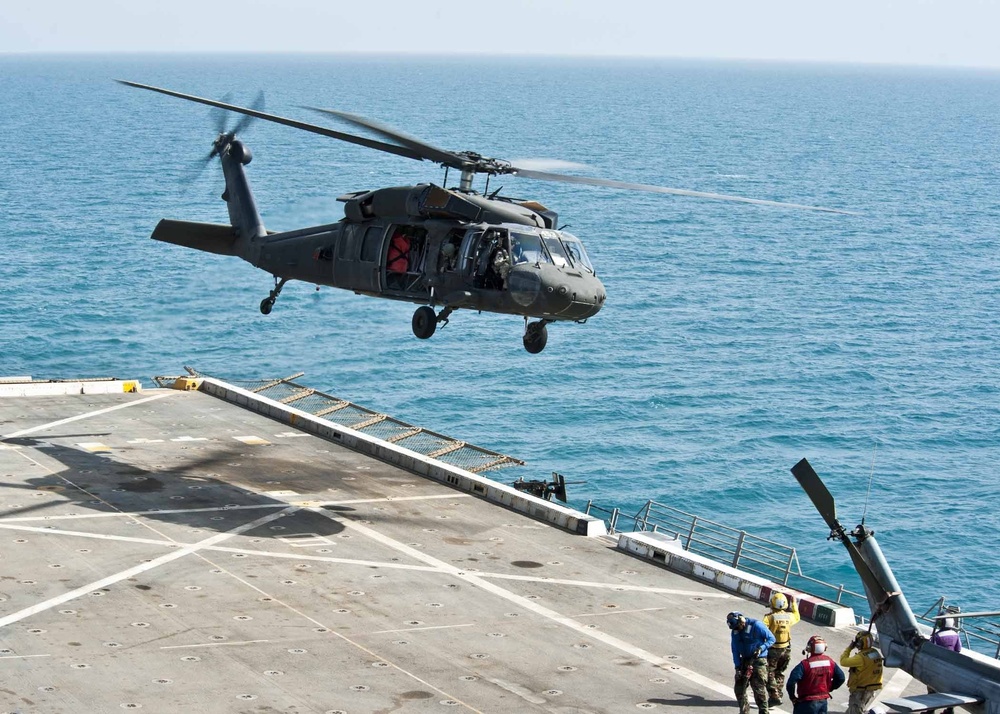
x=777 y=663
x=758 y=685
x=861 y=700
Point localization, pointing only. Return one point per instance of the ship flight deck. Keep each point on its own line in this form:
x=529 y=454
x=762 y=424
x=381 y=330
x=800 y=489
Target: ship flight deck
x=169 y=550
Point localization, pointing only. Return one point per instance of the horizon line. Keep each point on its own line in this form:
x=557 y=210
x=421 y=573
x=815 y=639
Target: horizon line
x=490 y=55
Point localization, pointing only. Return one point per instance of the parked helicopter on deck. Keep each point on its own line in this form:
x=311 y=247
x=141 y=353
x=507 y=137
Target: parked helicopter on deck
x=966 y=679
x=426 y=244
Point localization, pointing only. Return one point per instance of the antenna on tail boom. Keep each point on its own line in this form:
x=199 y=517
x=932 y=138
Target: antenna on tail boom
x=871 y=477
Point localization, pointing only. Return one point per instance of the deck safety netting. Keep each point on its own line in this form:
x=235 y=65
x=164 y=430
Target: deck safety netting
x=380 y=426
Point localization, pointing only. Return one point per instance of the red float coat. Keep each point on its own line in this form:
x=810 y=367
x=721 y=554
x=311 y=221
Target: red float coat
x=817 y=678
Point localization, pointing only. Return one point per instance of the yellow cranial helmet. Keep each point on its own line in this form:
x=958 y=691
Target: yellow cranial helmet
x=865 y=640
x=779 y=601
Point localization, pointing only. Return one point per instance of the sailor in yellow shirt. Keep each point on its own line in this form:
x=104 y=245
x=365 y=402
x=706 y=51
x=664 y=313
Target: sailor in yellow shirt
x=865 y=677
x=779 y=621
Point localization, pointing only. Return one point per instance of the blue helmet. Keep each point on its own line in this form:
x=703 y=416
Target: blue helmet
x=736 y=621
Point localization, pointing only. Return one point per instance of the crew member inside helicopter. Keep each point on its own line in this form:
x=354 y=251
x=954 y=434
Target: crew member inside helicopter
x=494 y=263
x=450 y=249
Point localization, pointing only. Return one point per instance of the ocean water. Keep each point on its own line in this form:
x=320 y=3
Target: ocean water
x=736 y=339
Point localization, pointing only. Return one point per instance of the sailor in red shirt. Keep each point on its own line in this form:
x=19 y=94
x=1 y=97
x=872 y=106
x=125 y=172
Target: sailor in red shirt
x=810 y=683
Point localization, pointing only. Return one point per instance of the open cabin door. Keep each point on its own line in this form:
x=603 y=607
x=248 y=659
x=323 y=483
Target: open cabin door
x=405 y=256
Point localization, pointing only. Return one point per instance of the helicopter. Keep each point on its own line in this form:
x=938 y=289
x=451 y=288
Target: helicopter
x=966 y=679
x=444 y=249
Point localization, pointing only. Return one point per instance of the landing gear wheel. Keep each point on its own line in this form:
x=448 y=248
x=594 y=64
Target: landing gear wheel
x=424 y=322
x=267 y=304
x=535 y=337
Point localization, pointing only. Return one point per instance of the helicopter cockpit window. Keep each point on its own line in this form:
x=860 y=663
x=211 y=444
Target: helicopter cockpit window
x=555 y=249
x=576 y=252
x=527 y=248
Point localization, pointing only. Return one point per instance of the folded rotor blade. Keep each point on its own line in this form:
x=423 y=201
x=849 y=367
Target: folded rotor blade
x=818 y=493
x=611 y=183
x=823 y=500
x=427 y=151
x=323 y=131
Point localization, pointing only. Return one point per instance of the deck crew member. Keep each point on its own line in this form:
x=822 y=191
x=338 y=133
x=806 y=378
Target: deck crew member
x=811 y=681
x=750 y=641
x=948 y=638
x=779 y=621
x=864 y=678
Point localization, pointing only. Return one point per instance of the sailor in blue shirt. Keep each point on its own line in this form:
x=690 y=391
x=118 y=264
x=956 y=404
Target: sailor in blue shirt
x=750 y=641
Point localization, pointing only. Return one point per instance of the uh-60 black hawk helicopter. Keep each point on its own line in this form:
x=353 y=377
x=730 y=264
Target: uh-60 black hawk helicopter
x=425 y=244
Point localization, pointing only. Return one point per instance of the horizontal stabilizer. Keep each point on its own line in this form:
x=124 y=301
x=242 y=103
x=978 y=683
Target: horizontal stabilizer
x=209 y=237
x=929 y=702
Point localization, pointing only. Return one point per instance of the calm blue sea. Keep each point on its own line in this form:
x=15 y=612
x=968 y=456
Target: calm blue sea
x=736 y=339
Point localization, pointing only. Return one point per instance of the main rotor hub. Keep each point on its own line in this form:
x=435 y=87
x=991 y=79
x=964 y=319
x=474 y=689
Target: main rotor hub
x=479 y=164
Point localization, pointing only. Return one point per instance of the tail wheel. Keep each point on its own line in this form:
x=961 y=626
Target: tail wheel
x=535 y=337
x=424 y=322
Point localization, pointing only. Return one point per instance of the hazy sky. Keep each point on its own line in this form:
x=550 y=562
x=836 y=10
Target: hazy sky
x=928 y=32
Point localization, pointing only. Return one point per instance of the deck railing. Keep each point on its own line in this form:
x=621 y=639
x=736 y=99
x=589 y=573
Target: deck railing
x=777 y=562
x=748 y=552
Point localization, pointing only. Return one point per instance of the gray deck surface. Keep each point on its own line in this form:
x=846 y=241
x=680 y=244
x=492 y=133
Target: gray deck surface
x=171 y=552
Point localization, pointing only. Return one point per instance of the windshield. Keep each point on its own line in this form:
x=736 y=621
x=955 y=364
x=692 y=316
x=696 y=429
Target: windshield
x=576 y=252
x=556 y=250
x=527 y=248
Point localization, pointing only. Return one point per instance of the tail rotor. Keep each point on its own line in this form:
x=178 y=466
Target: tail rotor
x=225 y=135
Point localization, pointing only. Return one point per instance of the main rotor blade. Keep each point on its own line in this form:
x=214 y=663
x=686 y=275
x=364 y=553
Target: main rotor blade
x=818 y=493
x=611 y=183
x=959 y=615
x=323 y=131
x=428 y=151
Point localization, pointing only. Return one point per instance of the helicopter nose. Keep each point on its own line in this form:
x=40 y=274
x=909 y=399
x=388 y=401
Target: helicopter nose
x=553 y=292
x=525 y=286
x=574 y=300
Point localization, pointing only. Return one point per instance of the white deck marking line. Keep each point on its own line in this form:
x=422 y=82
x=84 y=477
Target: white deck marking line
x=221 y=549
x=99 y=536
x=519 y=691
x=608 y=586
x=322 y=558
x=141 y=568
x=531 y=605
x=208 y=509
x=624 y=612
x=88 y=415
x=381 y=658
x=131 y=514
x=23 y=656
x=213 y=644
x=421 y=629
x=895 y=686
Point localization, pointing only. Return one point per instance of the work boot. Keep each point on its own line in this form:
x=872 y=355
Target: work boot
x=773 y=702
